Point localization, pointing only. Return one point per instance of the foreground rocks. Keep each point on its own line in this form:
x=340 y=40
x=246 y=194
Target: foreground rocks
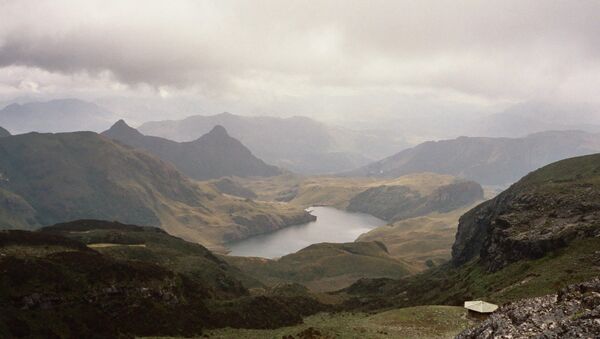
x=572 y=313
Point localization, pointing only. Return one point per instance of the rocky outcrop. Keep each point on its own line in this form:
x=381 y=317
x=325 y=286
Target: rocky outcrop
x=544 y=211
x=393 y=203
x=572 y=313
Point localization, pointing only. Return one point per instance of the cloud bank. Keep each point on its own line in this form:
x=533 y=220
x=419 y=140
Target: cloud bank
x=291 y=54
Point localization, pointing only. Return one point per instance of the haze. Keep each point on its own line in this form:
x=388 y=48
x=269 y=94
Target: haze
x=362 y=64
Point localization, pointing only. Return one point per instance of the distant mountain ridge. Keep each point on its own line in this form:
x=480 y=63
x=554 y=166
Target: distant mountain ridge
x=489 y=161
x=300 y=144
x=4 y=132
x=61 y=115
x=211 y=156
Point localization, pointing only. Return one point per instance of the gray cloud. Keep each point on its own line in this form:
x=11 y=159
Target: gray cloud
x=258 y=52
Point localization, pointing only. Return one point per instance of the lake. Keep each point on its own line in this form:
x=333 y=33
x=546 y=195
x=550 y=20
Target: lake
x=332 y=225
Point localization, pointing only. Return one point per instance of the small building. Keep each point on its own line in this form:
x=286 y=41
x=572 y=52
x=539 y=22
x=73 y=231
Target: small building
x=480 y=307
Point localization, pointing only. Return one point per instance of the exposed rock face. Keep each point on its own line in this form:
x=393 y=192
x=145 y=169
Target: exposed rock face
x=544 y=211
x=572 y=313
x=394 y=203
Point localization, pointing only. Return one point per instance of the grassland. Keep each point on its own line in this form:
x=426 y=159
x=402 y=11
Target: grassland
x=413 y=322
x=423 y=241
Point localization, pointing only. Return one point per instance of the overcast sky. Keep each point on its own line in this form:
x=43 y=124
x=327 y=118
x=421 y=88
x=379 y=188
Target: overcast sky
x=330 y=59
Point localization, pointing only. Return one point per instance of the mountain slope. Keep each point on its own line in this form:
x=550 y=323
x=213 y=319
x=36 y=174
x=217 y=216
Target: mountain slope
x=536 y=237
x=63 y=115
x=489 y=161
x=297 y=143
x=211 y=156
x=4 y=133
x=61 y=177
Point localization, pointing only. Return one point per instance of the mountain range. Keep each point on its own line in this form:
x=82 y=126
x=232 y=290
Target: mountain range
x=489 y=161
x=61 y=115
x=211 y=156
x=50 y=178
x=299 y=144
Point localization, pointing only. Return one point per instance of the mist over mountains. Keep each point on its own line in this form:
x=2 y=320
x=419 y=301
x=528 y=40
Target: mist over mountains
x=213 y=155
x=489 y=161
x=299 y=144
x=61 y=115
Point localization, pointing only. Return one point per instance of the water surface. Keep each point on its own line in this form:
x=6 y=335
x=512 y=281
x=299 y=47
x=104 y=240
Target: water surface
x=332 y=225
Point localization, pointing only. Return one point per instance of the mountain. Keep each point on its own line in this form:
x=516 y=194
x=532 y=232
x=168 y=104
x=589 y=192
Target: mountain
x=99 y=279
x=4 y=133
x=211 y=156
x=50 y=178
x=489 y=161
x=63 y=115
x=297 y=143
x=540 y=235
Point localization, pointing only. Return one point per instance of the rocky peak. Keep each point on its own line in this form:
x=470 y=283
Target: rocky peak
x=121 y=129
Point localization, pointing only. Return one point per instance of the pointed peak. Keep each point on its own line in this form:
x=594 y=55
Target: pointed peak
x=121 y=128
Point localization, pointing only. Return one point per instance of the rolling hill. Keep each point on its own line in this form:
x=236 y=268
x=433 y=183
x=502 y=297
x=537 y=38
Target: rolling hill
x=299 y=144
x=62 y=115
x=211 y=156
x=51 y=178
x=488 y=161
x=325 y=266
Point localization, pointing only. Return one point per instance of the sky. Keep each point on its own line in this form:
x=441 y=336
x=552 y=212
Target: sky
x=344 y=61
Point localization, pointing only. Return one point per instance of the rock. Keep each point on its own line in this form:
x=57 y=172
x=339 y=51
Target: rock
x=574 y=312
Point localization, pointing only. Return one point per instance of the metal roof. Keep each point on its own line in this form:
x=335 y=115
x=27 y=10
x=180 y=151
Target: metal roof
x=480 y=306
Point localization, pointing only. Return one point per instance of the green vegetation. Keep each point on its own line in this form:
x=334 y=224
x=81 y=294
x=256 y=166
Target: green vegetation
x=325 y=266
x=451 y=286
x=413 y=322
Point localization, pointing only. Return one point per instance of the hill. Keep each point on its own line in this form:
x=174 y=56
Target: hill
x=4 y=133
x=61 y=282
x=297 y=143
x=325 y=266
x=211 y=156
x=63 y=115
x=50 y=178
x=536 y=237
x=389 y=199
x=488 y=161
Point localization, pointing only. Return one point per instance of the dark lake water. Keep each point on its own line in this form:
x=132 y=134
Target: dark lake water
x=332 y=225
